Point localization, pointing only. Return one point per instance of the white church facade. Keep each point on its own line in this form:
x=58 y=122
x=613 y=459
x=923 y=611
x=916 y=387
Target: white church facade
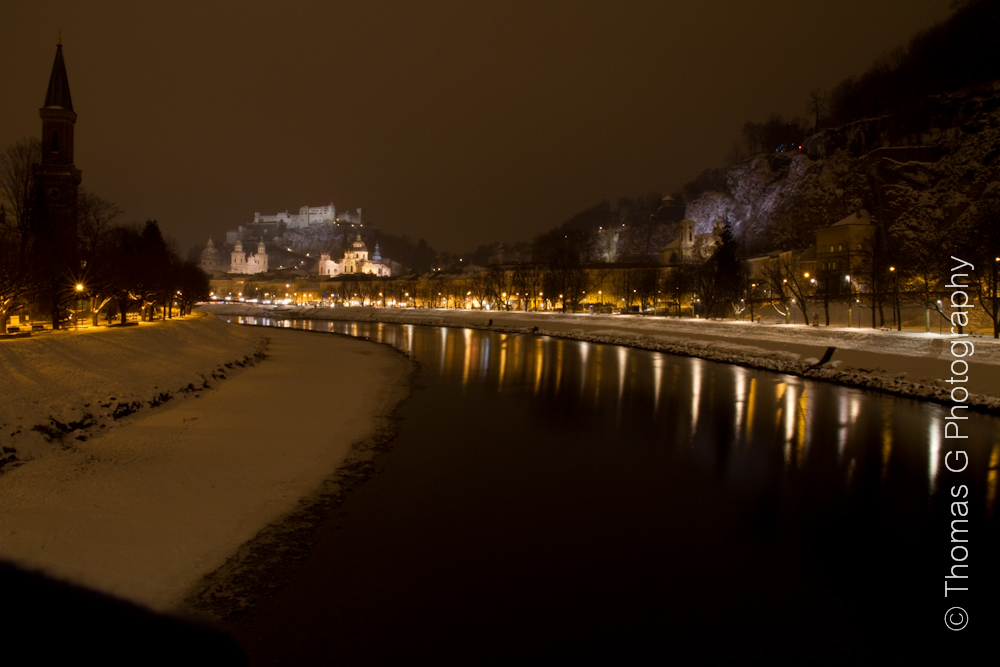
x=355 y=261
x=241 y=262
x=690 y=246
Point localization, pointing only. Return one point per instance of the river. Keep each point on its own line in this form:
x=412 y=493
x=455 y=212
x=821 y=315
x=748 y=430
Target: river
x=548 y=500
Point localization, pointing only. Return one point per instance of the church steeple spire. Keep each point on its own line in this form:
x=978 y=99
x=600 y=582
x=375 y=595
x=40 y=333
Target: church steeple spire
x=58 y=93
x=58 y=117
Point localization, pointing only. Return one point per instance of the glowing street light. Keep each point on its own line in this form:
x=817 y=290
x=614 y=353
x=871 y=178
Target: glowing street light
x=849 y=295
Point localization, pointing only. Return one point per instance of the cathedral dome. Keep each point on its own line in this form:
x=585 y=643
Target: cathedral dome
x=210 y=252
x=359 y=245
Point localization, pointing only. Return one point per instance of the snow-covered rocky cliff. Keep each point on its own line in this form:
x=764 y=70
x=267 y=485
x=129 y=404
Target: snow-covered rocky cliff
x=925 y=165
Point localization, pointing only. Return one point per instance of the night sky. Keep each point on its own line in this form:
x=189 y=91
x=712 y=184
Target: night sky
x=459 y=122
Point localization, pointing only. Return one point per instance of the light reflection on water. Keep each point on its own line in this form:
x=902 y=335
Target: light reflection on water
x=751 y=427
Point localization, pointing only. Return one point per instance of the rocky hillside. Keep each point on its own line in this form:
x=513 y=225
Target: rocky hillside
x=923 y=166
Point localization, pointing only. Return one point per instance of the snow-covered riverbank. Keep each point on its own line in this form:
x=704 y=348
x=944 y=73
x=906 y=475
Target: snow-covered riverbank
x=63 y=387
x=185 y=461
x=901 y=363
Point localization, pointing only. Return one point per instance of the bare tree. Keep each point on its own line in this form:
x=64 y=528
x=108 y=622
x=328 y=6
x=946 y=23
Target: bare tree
x=95 y=217
x=677 y=283
x=600 y=281
x=817 y=105
x=827 y=285
x=498 y=288
x=753 y=135
x=369 y=288
x=648 y=282
x=736 y=154
x=17 y=276
x=526 y=280
x=16 y=181
x=798 y=284
x=476 y=287
x=873 y=271
x=776 y=290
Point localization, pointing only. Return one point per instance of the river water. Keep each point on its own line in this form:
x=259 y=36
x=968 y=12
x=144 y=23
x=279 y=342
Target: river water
x=556 y=500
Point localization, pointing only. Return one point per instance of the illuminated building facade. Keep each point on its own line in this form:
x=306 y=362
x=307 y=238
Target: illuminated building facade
x=355 y=260
x=241 y=262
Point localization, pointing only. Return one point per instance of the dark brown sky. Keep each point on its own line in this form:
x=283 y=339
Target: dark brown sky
x=459 y=122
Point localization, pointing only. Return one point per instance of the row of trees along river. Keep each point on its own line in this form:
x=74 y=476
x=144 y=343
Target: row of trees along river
x=110 y=268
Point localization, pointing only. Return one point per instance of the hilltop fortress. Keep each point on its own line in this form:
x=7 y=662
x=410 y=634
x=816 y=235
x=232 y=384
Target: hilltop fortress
x=270 y=227
x=310 y=215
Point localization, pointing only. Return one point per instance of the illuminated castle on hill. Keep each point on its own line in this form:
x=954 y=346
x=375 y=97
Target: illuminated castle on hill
x=310 y=215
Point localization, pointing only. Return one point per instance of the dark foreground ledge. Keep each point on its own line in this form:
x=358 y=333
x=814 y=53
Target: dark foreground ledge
x=57 y=623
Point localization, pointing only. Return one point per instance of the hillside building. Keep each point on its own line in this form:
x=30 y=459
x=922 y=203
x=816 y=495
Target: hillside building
x=839 y=246
x=355 y=261
x=689 y=246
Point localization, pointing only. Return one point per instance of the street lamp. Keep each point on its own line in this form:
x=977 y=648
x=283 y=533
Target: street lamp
x=76 y=313
x=897 y=313
x=850 y=296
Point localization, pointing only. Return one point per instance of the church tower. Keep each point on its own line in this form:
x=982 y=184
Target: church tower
x=687 y=238
x=56 y=183
x=57 y=179
x=237 y=259
x=261 y=257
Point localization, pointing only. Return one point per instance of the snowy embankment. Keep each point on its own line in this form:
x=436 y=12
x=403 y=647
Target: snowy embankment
x=157 y=493
x=904 y=363
x=60 y=388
